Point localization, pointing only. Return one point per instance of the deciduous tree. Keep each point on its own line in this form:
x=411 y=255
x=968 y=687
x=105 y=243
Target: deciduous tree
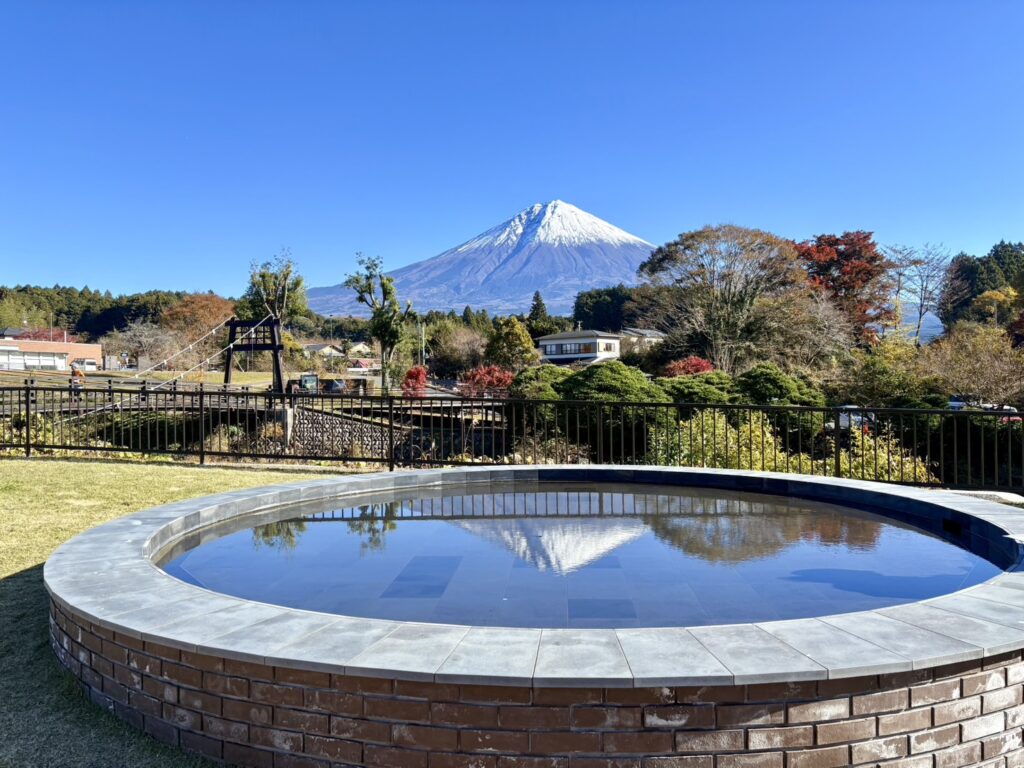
x=510 y=345
x=855 y=273
x=377 y=291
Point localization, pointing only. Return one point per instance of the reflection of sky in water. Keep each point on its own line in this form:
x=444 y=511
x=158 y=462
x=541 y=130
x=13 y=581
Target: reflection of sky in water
x=579 y=558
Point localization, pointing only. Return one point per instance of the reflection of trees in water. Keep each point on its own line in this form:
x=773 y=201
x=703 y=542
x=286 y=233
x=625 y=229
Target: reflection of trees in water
x=736 y=537
x=373 y=523
x=284 y=534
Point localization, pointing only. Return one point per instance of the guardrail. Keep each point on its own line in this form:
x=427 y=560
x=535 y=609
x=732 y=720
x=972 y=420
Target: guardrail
x=961 y=449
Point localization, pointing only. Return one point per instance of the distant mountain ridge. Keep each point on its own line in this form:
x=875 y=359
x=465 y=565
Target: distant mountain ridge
x=555 y=248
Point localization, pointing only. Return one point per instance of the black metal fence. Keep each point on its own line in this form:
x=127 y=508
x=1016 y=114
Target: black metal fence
x=961 y=449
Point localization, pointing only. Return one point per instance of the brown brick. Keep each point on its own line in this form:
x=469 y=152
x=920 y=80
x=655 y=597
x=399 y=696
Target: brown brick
x=817 y=711
x=782 y=691
x=955 y=711
x=128 y=677
x=415 y=689
x=160 y=690
x=375 y=685
x=147 y=705
x=275 y=738
x=872 y=751
x=114 y=652
x=762 y=760
x=360 y=730
x=339 y=750
x=237 y=687
x=425 y=737
x=956 y=757
x=711 y=694
x=203 y=702
x=846 y=730
x=982 y=726
x=780 y=738
x=935 y=739
x=688 y=716
x=238 y=754
x=300 y=720
x=1015 y=717
x=464 y=715
x=282 y=760
x=393 y=757
x=565 y=742
x=846 y=686
x=1001 y=743
x=182 y=718
x=453 y=760
x=1004 y=698
x=225 y=729
x=579 y=761
x=628 y=696
x=905 y=679
x=610 y=718
x=679 y=761
x=1015 y=759
x=247 y=712
x=533 y=717
x=333 y=702
x=1015 y=674
x=162 y=651
x=160 y=730
x=983 y=681
x=883 y=701
x=203 y=745
x=507 y=761
x=115 y=691
x=249 y=669
x=202 y=661
x=494 y=741
x=278 y=695
x=933 y=693
x=406 y=710
x=495 y=694
x=182 y=675
x=643 y=742
x=303 y=677
x=129 y=642
x=709 y=741
x=828 y=757
x=737 y=715
x=903 y=722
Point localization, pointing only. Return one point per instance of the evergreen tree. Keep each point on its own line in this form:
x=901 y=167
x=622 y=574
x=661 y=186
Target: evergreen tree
x=538 y=310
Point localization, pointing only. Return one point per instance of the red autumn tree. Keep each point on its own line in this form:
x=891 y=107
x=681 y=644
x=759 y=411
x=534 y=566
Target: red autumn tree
x=489 y=380
x=415 y=382
x=688 y=366
x=855 y=274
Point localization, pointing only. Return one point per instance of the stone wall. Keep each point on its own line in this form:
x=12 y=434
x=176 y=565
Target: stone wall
x=326 y=434
x=967 y=714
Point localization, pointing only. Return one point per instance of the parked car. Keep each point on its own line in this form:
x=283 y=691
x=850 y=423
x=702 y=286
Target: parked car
x=853 y=417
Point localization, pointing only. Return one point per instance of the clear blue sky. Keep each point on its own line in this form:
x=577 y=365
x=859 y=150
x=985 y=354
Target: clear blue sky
x=168 y=144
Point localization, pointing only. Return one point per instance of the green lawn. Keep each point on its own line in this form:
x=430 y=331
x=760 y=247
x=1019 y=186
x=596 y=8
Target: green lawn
x=44 y=721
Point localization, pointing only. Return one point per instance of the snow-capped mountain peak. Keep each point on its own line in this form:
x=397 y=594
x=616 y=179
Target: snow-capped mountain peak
x=552 y=247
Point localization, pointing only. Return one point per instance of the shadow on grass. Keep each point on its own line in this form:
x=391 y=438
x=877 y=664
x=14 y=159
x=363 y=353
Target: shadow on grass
x=44 y=718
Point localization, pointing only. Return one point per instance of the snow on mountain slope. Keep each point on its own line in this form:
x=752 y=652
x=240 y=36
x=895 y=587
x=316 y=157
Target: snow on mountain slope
x=555 y=248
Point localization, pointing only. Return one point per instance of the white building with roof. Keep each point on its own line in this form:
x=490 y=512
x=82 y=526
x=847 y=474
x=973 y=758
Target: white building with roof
x=580 y=346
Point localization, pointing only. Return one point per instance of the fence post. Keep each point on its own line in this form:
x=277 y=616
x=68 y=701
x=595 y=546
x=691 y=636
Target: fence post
x=202 y=425
x=836 y=440
x=391 y=433
x=28 y=418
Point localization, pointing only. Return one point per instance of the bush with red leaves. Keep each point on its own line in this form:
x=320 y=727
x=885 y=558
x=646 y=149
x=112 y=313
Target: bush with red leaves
x=415 y=382
x=688 y=366
x=487 y=380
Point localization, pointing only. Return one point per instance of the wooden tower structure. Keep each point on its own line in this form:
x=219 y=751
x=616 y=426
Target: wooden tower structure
x=256 y=336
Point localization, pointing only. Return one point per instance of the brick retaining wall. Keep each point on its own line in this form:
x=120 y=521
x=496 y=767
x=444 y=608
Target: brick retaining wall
x=968 y=714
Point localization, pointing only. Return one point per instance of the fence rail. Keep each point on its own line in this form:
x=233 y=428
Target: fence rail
x=962 y=449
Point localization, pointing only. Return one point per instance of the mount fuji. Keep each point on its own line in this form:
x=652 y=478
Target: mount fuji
x=555 y=248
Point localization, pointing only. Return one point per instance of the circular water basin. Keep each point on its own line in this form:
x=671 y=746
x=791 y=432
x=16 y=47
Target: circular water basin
x=575 y=555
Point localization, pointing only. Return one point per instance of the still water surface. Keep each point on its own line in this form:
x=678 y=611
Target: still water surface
x=563 y=555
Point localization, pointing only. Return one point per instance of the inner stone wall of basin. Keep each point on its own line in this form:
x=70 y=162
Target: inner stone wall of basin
x=966 y=714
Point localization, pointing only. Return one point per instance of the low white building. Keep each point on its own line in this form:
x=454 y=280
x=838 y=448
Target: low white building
x=579 y=346
x=323 y=350
x=642 y=338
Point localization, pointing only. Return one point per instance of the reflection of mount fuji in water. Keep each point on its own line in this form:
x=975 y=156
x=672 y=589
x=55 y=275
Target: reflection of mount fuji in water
x=559 y=545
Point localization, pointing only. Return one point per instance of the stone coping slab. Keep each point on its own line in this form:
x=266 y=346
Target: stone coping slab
x=108 y=576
